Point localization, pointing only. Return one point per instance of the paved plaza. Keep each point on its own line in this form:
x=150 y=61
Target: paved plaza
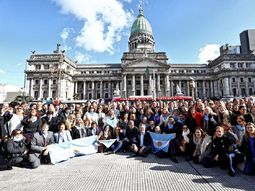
x=120 y=172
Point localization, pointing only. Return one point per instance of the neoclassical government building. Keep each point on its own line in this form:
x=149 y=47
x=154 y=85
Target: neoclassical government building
x=142 y=71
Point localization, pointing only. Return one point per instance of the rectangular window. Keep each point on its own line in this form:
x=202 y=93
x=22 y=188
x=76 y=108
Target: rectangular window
x=232 y=65
x=241 y=79
x=38 y=67
x=45 y=82
x=46 y=67
x=249 y=79
x=250 y=91
x=234 y=91
x=233 y=80
x=240 y=65
x=248 y=65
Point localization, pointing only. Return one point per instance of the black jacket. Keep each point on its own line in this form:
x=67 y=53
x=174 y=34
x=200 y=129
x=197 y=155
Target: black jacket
x=31 y=127
x=146 y=139
x=245 y=148
x=15 y=149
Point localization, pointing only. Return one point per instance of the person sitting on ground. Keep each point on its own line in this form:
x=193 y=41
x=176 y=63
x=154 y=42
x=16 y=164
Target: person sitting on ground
x=107 y=134
x=248 y=149
x=131 y=136
x=184 y=142
x=62 y=135
x=39 y=146
x=16 y=149
x=224 y=153
x=198 y=141
x=142 y=147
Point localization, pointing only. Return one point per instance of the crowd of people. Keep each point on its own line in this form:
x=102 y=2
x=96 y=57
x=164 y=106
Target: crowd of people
x=207 y=132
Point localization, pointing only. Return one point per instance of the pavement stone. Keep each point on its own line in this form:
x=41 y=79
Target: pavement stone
x=120 y=172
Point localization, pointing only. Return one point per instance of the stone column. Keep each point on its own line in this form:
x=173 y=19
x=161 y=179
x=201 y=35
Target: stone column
x=141 y=85
x=225 y=87
x=196 y=89
x=92 y=90
x=150 y=85
x=101 y=89
x=167 y=85
x=188 y=90
x=203 y=84
x=246 y=87
x=219 y=88
x=110 y=88
x=49 y=88
x=230 y=87
x=158 y=84
x=76 y=87
x=172 y=88
x=31 y=92
x=125 y=86
x=238 y=88
x=133 y=84
x=84 y=90
x=211 y=88
x=40 y=89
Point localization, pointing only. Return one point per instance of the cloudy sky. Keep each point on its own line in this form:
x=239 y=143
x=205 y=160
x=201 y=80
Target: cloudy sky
x=97 y=31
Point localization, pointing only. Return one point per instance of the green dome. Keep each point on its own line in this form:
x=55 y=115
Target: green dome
x=141 y=25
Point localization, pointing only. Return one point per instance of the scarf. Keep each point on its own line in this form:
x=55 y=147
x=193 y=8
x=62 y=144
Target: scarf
x=185 y=135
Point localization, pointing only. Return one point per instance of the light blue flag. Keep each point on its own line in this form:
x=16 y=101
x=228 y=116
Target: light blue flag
x=64 y=151
x=160 y=142
x=108 y=142
x=111 y=122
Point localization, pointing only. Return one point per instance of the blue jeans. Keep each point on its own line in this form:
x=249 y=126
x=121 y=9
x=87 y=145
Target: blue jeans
x=116 y=146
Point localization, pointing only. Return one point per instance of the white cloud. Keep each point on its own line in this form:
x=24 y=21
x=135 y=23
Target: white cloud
x=12 y=88
x=82 y=58
x=104 y=22
x=2 y=71
x=65 y=33
x=209 y=52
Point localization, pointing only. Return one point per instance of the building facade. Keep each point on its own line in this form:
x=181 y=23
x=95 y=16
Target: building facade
x=142 y=71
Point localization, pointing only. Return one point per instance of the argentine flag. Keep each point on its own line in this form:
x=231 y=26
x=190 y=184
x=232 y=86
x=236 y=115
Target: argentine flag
x=161 y=141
